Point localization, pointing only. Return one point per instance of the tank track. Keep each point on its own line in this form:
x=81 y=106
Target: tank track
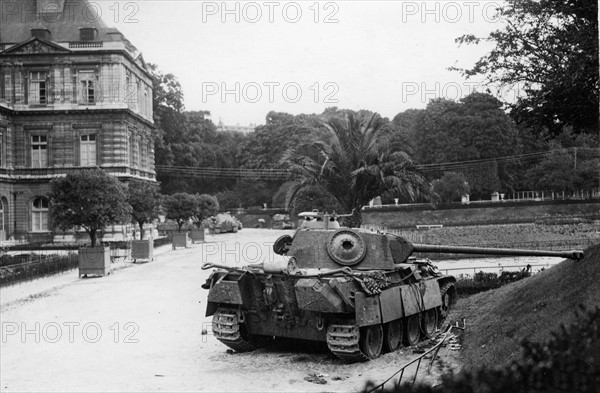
x=445 y=288
x=343 y=342
x=226 y=328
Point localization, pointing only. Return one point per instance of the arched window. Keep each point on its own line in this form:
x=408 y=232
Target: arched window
x=39 y=215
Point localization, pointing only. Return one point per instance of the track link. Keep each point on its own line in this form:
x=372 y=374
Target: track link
x=444 y=311
x=343 y=342
x=228 y=329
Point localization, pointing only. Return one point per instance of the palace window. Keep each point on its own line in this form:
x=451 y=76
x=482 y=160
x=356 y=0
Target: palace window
x=87 y=34
x=39 y=151
x=145 y=102
x=87 y=150
x=86 y=87
x=39 y=215
x=37 y=88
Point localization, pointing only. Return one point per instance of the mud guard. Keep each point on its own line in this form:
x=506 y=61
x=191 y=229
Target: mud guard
x=421 y=296
x=225 y=290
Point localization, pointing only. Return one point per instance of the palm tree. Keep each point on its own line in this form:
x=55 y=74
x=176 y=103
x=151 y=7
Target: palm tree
x=354 y=163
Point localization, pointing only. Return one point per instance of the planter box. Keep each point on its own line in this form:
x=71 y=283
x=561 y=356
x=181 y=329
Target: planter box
x=180 y=239
x=94 y=260
x=197 y=235
x=142 y=249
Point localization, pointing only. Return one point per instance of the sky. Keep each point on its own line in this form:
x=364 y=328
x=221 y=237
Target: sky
x=239 y=60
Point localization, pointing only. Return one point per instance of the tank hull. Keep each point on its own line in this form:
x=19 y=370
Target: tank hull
x=336 y=310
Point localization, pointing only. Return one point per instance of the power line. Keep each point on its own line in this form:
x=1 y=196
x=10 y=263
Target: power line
x=283 y=174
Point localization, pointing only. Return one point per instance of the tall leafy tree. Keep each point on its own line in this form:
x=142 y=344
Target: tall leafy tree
x=571 y=164
x=451 y=186
x=167 y=106
x=91 y=199
x=474 y=128
x=180 y=207
x=549 y=50
x=353 y=163
x=264 y=147
x=144 y=198
x=206 y=206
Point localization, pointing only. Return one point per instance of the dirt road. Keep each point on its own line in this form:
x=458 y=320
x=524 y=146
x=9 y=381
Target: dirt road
x=139 y=329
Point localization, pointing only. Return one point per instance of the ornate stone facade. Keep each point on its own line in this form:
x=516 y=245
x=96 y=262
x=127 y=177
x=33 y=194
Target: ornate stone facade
x=67 y=105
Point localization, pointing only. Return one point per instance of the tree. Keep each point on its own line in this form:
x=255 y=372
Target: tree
x=549 y=50
x=206 y=206
x=91 y=199
x=474 y=128
x=167 y=105
x=180 y=207
x=265 y=146
x=314 y=197
x=451 y=186
x=572 y=163
x=144 y=198
x=556 y=172
x=353 y=163
x=403 y=130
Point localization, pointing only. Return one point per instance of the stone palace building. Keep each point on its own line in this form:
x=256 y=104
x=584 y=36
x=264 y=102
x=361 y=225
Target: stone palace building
x=74 y=93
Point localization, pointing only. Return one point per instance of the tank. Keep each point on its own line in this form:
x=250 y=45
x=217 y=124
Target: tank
x=360 y=292
x=281 y=221
x=224 y=222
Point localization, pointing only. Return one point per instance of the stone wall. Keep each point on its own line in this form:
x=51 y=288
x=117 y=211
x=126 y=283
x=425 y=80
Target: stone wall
x=484 y=213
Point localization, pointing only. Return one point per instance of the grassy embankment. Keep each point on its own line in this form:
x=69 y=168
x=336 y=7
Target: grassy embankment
x=499 y=319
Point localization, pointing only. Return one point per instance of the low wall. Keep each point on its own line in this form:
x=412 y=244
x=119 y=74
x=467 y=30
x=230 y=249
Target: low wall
x=480 y=213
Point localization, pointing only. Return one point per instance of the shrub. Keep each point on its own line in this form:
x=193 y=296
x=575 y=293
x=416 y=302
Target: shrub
x=451 y=186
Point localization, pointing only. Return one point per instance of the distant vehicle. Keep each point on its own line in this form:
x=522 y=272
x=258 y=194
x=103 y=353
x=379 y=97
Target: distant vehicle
x=282 y=221
x=224 y=222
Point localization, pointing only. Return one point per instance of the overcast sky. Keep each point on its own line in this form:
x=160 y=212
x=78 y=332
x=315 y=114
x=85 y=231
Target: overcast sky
x=239 y=60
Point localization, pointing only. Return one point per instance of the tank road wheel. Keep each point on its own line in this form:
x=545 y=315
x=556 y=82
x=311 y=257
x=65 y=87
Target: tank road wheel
x=429 y=323
x=228 y=329
x=412 y=330
x=371 y=341
x=392 y=334
x=448 y=292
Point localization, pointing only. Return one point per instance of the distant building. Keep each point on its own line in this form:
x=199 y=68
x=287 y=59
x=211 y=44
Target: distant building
x=74 y=93
x=238 y=128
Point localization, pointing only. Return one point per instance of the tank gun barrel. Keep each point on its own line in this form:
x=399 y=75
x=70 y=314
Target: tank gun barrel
x=573 y=254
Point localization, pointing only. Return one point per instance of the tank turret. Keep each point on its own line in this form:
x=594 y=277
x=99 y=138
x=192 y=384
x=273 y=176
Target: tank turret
x=361 y=292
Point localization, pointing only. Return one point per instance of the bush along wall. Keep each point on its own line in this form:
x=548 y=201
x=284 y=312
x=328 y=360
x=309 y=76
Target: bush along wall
x=28 y=267
x=481 y=281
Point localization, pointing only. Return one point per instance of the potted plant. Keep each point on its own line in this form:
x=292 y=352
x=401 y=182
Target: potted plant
x=91 y=199
x=180 y=207
x=207 y=205
x=144 y=198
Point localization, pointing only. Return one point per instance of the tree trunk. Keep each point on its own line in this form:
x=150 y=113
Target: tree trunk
x=92 y=234
x=141 y=224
